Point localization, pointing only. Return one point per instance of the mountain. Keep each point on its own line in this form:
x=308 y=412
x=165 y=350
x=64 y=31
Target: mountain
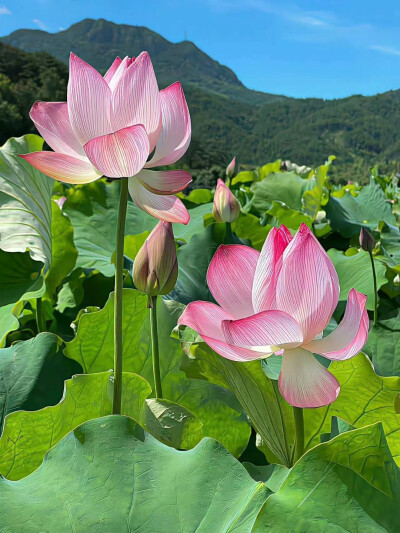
x=99 y=41
x=361 y=131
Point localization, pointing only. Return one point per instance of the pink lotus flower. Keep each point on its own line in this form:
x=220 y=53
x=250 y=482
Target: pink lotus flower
x=226 y=207
x=280 y=301
x=110 y=125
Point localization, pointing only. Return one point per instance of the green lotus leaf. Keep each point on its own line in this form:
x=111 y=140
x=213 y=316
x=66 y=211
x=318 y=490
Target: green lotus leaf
x=349 y=483
x=64 y=253
x=25 y=201
x=355 y=272
x=109 y=475
x=348 y=214
x=9 y=320
x=32 y=373
x=217 y=408
x=384 y=346
x=365 y=398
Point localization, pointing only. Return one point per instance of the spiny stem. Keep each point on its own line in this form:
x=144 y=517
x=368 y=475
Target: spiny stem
x=375 y=289
x=299 y=426
x=155 y=347
x=119 y=281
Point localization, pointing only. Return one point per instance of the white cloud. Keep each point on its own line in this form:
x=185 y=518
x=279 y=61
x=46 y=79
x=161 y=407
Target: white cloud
x=4 y=10
x=290 y=13
x=40 y=23
x=389 y=50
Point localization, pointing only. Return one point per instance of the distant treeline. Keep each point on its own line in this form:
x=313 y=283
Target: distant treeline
x=360 y=131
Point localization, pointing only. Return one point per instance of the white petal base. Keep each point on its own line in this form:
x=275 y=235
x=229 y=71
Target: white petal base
x=304 y=382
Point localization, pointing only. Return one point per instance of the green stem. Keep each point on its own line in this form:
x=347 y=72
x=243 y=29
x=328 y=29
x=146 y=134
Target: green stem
x=40 y=322
x=375 y=289
x=229 y=239
x=119 y=281
x=155 y=347
x=299 y=426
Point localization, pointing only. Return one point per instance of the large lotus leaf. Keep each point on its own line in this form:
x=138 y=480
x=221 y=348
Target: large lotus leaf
x=193 y=261
x=348 y=214
x=197 y=197
x=390 y=246
x=32 y=373
x=93 y=211
x=25 y=201
x=248 y=226
x=196 y=223
x=287 y=187
x=108 y=475
x=355 y=272
x=216 y=407
x=257 y=174
x=20 y=277
x=365 y=398
x=347 y=484
x=259 y=396
x=28 y=435
x=64 y=253
x=9 y=320
x=291 y=218
x=314 y=198
x=384 y=346
x=171 y=423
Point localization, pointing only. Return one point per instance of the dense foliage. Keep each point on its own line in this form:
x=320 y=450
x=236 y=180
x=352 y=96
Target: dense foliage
x=24 y=78
x=92 y=471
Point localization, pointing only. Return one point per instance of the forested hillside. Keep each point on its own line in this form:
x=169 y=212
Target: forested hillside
x=227 y=117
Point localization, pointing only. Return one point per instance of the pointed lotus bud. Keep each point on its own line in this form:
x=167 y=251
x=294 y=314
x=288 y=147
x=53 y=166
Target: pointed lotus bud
x=60 y=201
x=155 y=268
x=230 y=169
x=367 y=242
x=226 y=206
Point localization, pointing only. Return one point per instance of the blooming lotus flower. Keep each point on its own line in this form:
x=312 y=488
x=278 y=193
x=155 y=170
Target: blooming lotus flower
x=110 y=125
x=226 y=206
x=230 y=169
x=280 y=301
x=155 y=268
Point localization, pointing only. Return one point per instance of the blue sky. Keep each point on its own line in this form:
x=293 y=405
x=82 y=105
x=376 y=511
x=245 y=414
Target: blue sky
x=321 y=48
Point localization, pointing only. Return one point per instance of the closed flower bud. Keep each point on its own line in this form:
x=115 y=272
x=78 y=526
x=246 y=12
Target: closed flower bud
x=367 y=242
x=230 y=169
x=226 y=206
x=155 y=268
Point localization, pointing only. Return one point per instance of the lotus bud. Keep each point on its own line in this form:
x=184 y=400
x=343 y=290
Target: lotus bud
x=226 y=206
x=230 y=169
x=155 y=268
x=367 y=242
x=60 y=201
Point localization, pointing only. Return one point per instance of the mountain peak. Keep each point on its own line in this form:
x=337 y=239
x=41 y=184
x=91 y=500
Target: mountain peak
x=99 y=41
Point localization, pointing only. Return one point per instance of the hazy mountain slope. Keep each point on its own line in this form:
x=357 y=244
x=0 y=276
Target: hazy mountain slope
x=99 y=41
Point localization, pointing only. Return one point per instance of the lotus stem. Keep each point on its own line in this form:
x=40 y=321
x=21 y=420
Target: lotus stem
x=229 y=234
x=155 y=346
x=40 y=322
x=119 y=281
x=299 y=426
x=375 y=289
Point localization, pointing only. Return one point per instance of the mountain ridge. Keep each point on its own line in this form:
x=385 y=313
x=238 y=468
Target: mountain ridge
x=99 y=41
